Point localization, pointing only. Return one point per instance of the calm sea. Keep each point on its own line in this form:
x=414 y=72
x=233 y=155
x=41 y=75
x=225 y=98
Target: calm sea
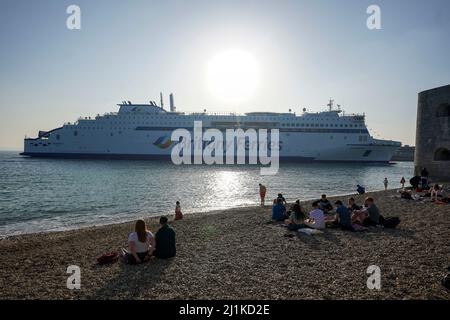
x=54 y=194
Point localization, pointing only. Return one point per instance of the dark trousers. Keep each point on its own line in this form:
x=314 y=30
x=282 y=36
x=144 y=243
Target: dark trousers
x=129 y=258
x=347 y=228
x=295 y=226
x=369 y=223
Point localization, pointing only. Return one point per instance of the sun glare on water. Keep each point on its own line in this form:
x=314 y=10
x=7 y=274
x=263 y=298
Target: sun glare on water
x=233 y=76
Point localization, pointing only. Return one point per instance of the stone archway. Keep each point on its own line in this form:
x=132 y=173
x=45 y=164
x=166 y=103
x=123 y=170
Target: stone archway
x=442 y=154
x=443 y=110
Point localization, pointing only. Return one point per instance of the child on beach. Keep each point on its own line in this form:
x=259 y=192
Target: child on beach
x=385 y=182
x=141 y=244
x=262 y=193
x=402 y=182
x=178 y=214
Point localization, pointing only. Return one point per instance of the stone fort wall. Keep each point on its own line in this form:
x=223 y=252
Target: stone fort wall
x=433 y=133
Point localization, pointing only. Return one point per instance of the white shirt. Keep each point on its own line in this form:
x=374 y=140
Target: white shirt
x=140 y=246
x=319 y=219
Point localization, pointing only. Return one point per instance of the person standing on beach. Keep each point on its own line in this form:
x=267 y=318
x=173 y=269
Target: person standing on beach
x=178 y=214
x=402 y=182
x=385 y=182
x=262 y=193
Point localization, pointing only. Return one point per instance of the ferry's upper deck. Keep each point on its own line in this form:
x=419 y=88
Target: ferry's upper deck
x=132 y=110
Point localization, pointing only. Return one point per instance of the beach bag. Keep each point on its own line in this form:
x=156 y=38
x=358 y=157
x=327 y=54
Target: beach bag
x=390 y=222
x=108 y=258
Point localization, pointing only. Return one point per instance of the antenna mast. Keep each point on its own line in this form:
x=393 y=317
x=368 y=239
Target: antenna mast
x=330 y=104
x=161 y=99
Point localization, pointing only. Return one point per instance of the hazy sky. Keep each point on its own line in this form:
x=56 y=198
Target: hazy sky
x=306 y=52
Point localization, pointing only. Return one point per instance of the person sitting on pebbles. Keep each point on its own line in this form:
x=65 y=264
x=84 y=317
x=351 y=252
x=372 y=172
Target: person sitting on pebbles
x=352 y=206
x=436 y=192
x=297 y=217
x=279 y=211
x=283 y=200
x=165 y=240
x=316 y=217
x=141 y=244
x=369 y=216
x=343 y=217
x=325 y=204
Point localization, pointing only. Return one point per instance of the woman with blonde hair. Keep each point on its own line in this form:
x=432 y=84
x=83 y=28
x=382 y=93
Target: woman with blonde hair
x=141 y=244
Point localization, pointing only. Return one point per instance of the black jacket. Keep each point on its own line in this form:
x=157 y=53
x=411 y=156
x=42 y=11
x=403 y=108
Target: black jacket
x=165 y=243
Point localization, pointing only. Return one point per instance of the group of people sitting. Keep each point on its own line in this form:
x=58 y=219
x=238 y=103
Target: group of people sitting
x=143 y=245
x=350 y=217
x=436 y=194
x=421 y=189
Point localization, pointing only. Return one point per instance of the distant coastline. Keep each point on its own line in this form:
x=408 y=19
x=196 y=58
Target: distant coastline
x=404 y=153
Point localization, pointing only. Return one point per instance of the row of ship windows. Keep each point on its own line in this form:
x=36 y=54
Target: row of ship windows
x=75 y=133
x=58 y=137
x=316 y=125
x=171 y=117
x=319 y=125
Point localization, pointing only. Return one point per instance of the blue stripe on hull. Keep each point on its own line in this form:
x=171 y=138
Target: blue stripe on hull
x=163 y=157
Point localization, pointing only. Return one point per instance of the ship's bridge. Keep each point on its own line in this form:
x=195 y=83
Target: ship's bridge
x=331 y=113
x=128 y=107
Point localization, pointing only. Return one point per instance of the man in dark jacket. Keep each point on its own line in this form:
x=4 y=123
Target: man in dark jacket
x=165 y=241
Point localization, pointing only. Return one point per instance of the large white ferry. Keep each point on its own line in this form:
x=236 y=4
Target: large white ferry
x=143 y=131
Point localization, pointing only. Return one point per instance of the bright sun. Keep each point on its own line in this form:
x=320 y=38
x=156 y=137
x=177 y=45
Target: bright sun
x=233 y=76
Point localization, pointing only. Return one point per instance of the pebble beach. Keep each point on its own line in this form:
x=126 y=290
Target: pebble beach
x=236 y=254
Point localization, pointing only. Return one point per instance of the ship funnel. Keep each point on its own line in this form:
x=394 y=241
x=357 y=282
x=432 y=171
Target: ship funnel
x=172 y=103
x=161 y=99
